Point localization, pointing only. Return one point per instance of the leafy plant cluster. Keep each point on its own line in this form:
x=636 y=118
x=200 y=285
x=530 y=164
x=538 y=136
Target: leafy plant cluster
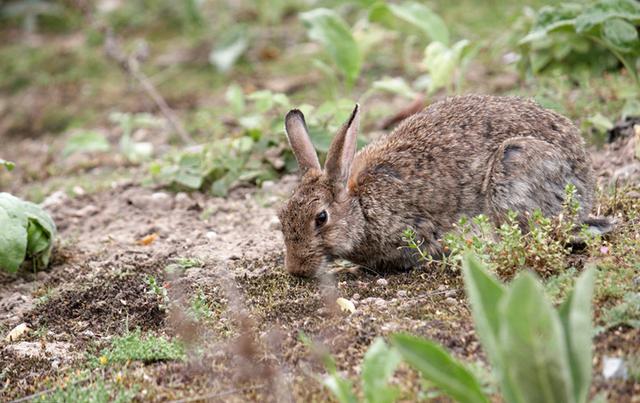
x=544 y=248
x=133 y=346
x=538 y=353
x=28 y=233
x=591 y=36
x=347 y=47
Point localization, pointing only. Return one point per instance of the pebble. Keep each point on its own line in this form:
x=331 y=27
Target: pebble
x=54 y=199
x=401 y=293
x=183 y=200
x=79 y=191
x=161 y=200
x=355 y=297
x=268 y=186
x=17 y=332
x=450 y=293
x=382 y=282
x=451 y=301
x=274 y=224
x=211 y=235
x=613 y=368
x=86 y=211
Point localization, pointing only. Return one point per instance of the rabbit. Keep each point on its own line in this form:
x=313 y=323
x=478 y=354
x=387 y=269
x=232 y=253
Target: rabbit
x=462 y=156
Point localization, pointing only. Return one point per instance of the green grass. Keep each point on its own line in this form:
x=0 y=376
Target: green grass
x=133 y=346
x=94 y=391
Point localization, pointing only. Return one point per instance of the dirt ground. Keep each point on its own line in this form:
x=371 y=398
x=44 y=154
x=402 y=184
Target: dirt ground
x=112 y=240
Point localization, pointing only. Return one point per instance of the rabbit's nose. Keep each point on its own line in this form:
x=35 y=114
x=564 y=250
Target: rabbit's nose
x=295 y=266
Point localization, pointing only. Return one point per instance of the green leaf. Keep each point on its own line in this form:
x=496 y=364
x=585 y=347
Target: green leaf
x=441 y=62
x=485 y=294
x=600 y=11
x=575 y=315
x=341 y=388
x=436 y=365
x=395 y=85
x=13 y=238
x=620 y=34
x=532 y=341
x=600 y=122
x=378 y=366
x=189 y=172
x=27 y=231
x=414 y=13
x=235 y=98
x=326 y=27
x=225 y=55
x=7 y=164
x=86 y=142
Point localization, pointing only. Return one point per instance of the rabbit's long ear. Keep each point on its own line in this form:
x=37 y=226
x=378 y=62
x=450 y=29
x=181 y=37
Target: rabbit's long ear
x=343 y=149
x=300 y=142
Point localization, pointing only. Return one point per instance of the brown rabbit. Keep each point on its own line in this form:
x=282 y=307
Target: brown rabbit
x=465 y=155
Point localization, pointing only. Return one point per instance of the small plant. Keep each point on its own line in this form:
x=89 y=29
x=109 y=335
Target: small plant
x=8 y=165
x=586 y=33
x=95 y=391
x=148 y=349
x=520 y=331
x=200 y=308
x=28 y=232
x=506 y=248
x=522 y=335
x=160 y=291
x=86 y=142
x=134 y=151
x=625 y=313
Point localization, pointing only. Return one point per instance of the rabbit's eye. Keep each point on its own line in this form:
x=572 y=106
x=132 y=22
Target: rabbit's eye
x=321 y=218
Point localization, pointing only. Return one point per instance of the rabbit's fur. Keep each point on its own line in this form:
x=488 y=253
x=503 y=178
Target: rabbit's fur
x=465 y=155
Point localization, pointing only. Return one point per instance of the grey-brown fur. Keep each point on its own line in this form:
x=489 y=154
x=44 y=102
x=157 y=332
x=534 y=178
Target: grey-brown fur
x=465 y=155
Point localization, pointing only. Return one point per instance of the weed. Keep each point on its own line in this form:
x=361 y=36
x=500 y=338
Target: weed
x=160 y=291
x=134 y=347
x=200 y=308
x=544 y=248
x=625 y=313
x=95 y=391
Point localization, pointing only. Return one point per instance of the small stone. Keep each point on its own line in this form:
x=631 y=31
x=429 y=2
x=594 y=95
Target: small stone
x=613 y=368
x=268 y=186
x=79 y=191
x=17 y=332
x=450 y=293
x=451 y=301
x=161 y=200
x=86 y=211
x=211 y=235
x=382 y=282
x=183 y=200
x=401 y=293
x=274 y=224
x=54 y=199
x=355 y=297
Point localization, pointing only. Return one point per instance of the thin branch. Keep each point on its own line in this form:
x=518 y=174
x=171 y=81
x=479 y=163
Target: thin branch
x=131 y=65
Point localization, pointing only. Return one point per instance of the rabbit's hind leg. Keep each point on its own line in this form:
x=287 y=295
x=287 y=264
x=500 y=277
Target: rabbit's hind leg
x=526 y=174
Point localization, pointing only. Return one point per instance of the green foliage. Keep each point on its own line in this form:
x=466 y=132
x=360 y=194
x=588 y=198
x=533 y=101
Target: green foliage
x=134 y=151
x=28 y=232
x=441 y=62
x=232 y=46
x=625 y=313
x=506 y=248
x=160 y=291
x=523 y=334
x=329 y=29
x=87 y=142
x=410 y=14
x=573 y=34
x=8 y=165
x=378 y=366
x=96 y=391
x=436 y=365
x=133 y=346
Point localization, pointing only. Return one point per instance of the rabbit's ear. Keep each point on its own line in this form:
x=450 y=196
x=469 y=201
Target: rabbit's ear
x=343 y=149
x=300 y=142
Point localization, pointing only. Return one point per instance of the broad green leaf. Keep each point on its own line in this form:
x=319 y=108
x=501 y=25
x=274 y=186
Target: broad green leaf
x=414 y=13
x=600 y=11
x=441 y=63
x=341 y=388
x=13 y=237
x=575 y=315
x=86 y=142
x=485 y=294
x=534 y=354
x=620 y=33
x=395 y=85
x=189 y=172
x=550 y=19
x=7 y=164
x=436 y=365
x=235 y=97
x=225 y=55
x=378 y=366
x=600 y=122
x=326 y=27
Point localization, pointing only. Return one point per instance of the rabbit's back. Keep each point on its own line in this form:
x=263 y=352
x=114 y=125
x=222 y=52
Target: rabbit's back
x=434 y=167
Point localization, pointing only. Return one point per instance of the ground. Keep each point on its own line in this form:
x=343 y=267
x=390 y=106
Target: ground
x=205 y=273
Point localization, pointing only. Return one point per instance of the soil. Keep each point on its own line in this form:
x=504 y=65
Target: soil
x=113 y=241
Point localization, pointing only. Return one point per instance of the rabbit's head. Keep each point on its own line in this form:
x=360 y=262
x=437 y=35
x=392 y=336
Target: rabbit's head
x=320 y=221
